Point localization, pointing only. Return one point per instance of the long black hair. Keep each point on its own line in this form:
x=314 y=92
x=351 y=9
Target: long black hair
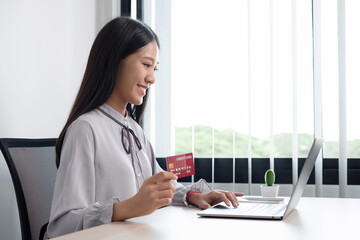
x=118 y=39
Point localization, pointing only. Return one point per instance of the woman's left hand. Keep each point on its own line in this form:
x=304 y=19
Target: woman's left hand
x=205 y=201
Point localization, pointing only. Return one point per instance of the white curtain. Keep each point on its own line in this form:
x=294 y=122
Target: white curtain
x=272 y=72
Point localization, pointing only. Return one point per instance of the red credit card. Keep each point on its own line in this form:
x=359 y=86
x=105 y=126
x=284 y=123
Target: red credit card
x=182 y=165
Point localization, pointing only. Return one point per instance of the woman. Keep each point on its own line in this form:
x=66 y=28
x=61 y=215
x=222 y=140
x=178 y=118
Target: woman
x=107 y=170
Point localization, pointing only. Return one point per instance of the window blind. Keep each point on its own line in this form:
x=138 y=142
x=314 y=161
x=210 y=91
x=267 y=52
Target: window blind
x=290 y=77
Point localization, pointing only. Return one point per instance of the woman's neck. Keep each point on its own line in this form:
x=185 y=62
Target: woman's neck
x=119 y=107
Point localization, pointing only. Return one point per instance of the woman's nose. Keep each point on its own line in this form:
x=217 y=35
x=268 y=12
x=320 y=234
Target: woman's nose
x=150 y=77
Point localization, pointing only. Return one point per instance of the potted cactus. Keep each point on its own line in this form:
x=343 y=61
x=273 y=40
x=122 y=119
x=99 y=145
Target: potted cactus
x=269 y=189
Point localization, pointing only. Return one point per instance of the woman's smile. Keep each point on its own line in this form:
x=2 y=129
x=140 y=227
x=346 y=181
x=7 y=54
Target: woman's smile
x=142 y=89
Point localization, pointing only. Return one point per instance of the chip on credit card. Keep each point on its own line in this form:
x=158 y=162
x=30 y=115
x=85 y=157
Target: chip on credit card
x=181 y=165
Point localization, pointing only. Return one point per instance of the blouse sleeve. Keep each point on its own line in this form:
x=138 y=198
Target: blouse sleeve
x=181 y=191
x=74 y=207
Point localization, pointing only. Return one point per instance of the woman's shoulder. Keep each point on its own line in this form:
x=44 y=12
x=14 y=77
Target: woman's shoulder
x=87 y=120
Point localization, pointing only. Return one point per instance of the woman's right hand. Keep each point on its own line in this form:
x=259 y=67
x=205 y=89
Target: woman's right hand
x=156 y=191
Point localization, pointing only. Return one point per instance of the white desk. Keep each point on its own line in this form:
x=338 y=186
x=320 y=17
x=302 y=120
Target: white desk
x=314 y=218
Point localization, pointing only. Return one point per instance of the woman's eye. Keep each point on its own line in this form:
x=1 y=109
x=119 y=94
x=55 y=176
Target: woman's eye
x=149 y=65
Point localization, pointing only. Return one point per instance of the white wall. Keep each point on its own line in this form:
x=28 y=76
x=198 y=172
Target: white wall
x=44 y=45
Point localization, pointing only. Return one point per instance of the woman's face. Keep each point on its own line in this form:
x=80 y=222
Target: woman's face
x=135 y=74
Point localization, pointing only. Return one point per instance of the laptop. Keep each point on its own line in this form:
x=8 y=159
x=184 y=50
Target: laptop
x=269 y=210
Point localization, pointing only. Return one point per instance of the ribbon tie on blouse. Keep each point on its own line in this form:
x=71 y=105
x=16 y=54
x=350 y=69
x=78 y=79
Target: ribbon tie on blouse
x=125 y=131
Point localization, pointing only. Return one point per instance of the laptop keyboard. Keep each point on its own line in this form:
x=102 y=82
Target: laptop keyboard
x=260 y=209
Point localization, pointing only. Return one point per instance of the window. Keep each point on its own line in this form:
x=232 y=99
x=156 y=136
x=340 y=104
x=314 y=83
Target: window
x=235 y=77
x=252 y=82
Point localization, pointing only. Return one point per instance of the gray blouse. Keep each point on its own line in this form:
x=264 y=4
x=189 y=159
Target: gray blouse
x=96 y=171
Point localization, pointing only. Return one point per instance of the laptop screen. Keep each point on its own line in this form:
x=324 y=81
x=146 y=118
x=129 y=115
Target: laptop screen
x=304 y=175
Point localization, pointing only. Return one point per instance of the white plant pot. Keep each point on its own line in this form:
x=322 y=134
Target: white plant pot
x=267 y=191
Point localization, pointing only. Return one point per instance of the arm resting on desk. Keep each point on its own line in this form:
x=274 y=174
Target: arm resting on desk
x=75 y=220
